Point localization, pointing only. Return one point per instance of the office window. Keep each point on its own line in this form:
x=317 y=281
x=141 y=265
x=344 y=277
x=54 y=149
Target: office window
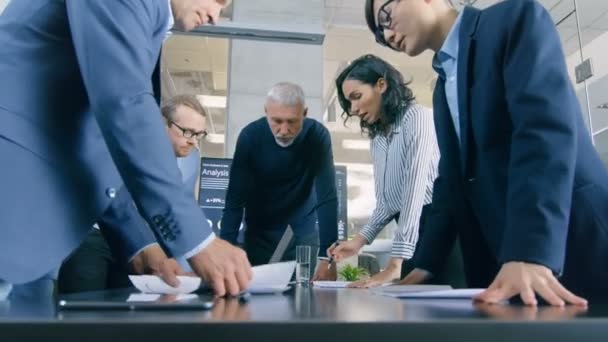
x=198 y=65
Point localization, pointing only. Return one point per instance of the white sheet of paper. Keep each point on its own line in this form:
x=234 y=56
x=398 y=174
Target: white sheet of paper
x=143 y=297
x=399 y=289
x=272 y=278
x=154 y=284
x=435 y=294
x=331 y=284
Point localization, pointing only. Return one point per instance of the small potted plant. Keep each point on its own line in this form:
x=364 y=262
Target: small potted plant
x=352 y=273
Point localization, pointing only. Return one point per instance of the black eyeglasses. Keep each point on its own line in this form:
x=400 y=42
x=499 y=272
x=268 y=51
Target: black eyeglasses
x=385 y=21
x=188 y=133
x=384 y=15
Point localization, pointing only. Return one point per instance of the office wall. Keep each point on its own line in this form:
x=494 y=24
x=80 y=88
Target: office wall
x=593 y=23
x=597 y=85
x=255 y=66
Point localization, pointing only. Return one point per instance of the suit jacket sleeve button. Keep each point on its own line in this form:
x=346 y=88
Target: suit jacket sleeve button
x=111 y=192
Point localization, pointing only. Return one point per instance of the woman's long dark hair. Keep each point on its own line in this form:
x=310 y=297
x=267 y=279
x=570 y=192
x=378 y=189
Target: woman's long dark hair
x=369 y=69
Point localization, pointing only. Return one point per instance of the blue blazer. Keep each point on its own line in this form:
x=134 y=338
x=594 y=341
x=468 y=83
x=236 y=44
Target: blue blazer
x=524 y=183
x=122 y=226
x=77 y=118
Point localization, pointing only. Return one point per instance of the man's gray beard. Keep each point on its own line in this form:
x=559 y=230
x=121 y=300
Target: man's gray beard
x=282 y=144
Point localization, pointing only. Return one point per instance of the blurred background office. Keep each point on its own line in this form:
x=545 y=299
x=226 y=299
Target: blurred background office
x=231 y=76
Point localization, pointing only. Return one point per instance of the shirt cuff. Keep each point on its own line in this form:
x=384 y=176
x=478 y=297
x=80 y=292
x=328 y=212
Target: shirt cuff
x=140 y=250
x=368 y=234
x=403 y=250
x=200 y=247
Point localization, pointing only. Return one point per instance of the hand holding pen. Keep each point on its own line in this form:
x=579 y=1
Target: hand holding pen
x=344 y=249
x=331 y=255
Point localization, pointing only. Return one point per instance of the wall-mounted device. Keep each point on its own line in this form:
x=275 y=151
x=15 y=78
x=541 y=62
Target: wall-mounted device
x=583 y=71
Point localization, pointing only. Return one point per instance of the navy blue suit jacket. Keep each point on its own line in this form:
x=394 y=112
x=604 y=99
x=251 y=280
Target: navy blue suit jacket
x=524 y=182
x=77 y=118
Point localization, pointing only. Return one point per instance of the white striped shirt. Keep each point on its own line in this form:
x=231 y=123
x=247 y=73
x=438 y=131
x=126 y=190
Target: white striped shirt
x=405 y=167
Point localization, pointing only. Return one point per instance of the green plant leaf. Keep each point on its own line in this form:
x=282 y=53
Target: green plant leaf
x=352 y=273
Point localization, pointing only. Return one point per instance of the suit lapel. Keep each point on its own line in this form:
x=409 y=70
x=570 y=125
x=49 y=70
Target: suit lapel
x=446 y=134
x=468 y=26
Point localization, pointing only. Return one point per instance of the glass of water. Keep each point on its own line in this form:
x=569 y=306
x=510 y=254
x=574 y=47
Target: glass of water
x=302 y=265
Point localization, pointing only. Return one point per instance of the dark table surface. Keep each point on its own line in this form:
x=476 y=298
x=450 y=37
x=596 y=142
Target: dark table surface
x=309 y=314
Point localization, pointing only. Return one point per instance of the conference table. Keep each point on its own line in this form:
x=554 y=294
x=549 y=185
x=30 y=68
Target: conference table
x=308 y=314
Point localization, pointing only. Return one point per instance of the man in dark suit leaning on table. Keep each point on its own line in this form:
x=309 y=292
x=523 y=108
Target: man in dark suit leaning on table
x=518 y=170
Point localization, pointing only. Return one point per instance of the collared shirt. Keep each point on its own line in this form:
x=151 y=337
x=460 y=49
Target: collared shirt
x=405 y=167
x=211 y=237
x=445 y=63
x=170 y=20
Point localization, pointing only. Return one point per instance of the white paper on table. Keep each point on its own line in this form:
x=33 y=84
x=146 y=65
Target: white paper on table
x=269 y=278
x=433 y=294
x=331 y=284
x=389 y=288
x=154 y=284
x=272 y=278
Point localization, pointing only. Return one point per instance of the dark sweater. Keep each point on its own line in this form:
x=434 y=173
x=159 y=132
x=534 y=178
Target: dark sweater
x=274 y=185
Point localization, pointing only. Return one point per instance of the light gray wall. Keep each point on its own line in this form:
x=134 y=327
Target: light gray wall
x=255 y=66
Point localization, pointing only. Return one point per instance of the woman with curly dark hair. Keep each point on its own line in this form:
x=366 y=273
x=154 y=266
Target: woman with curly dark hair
x=404 y=153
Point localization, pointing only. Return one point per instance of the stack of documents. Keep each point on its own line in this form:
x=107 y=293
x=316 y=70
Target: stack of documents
x=270 y=278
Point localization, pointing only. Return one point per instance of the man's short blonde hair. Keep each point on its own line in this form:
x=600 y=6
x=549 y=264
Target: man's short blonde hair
x=170 y=106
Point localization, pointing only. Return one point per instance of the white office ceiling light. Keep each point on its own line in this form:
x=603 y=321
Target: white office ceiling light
x=212 y=101
x=215 y=138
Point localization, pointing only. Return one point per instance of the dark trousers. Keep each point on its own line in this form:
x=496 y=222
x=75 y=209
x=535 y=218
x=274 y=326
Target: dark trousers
x=452 y=272
x=92 y=267
x=261 y=244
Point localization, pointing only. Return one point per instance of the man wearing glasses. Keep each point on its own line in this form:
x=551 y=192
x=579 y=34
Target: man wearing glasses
x=518 y=170
x=97 y=265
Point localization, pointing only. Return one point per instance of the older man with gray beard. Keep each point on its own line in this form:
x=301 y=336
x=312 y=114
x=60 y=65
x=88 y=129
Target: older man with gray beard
x=283 y=174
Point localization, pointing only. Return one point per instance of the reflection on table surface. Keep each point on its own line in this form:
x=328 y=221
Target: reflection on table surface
x=307 y=304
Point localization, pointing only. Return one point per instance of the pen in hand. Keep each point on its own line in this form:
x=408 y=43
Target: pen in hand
x=331 y=257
